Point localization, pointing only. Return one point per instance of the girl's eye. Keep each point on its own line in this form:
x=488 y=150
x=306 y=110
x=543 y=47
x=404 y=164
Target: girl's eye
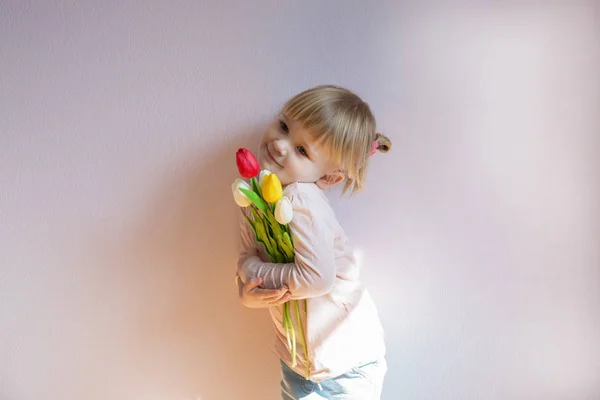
x=284 y=127
x=302 y=151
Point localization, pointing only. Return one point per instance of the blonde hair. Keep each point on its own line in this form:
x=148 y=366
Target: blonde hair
x=342 y=121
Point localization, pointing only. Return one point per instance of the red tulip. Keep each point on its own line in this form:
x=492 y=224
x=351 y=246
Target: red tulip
x=247 y=164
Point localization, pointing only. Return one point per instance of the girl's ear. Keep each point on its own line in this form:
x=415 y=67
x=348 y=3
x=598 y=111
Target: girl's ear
x=331 y=179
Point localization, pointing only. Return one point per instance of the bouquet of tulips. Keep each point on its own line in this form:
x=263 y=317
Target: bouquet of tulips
x=271 y=214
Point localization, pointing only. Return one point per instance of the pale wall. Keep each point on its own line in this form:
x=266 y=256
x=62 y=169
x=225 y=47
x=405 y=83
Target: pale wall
x=118 y=124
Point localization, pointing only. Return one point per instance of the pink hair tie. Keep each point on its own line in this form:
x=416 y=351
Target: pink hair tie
x=374 y=147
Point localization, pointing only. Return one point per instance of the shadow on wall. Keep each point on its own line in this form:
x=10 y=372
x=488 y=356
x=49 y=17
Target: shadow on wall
x=189 y=335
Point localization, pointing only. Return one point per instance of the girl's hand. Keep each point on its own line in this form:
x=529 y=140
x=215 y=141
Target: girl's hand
x=254 y=297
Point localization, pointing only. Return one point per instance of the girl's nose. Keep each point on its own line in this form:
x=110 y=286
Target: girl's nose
x=280 y=147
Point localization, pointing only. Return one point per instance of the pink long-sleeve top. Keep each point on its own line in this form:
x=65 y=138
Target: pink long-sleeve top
x=341 y=322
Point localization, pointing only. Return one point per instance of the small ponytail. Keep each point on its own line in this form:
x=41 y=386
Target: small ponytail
x=384 y=144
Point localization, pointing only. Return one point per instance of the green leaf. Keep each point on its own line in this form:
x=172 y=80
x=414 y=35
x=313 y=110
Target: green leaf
x=255 y=186
x=276 y=255
x=251 y=224
x=288 y=242
x=264 y=236
x=255 y=198
x=256 y=216
x=261 y=234
x=275 y=226
x=285 y=249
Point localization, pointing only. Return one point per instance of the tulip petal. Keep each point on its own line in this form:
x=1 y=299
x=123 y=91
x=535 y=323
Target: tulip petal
x=261 y=176
x=247 y=164
x=240 y=198
x=284 y=211
x=271 y=189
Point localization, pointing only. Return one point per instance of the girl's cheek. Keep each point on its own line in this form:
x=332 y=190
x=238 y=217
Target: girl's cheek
x=272 y=134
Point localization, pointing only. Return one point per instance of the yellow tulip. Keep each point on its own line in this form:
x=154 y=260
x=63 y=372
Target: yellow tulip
x=261 y=176
x=271 y=188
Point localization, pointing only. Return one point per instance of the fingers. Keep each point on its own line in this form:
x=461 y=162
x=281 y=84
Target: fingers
x=276 y=298
x=270 y=297
x=252 y=284
x=284 y=299
x=268 y=293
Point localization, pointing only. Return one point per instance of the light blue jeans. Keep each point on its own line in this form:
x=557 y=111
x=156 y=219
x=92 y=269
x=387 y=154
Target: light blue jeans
x=361 y=383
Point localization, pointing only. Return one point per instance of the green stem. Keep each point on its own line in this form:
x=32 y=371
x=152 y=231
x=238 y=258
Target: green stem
x=293 y=333
x=302 y=336
x=286 y=323
x=255 y=186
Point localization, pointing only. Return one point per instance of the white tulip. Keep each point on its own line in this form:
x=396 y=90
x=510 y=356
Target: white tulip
x=240 y=198
x=261 y=176
x=284 y=211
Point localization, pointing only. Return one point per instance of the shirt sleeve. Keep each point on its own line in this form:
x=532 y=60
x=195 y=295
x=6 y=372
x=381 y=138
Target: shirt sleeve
x=312 y=273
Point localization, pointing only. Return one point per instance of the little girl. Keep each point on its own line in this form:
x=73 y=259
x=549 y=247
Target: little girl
x=323 y=137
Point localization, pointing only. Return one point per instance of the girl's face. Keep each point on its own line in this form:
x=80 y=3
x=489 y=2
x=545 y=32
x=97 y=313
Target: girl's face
x=289 y=150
